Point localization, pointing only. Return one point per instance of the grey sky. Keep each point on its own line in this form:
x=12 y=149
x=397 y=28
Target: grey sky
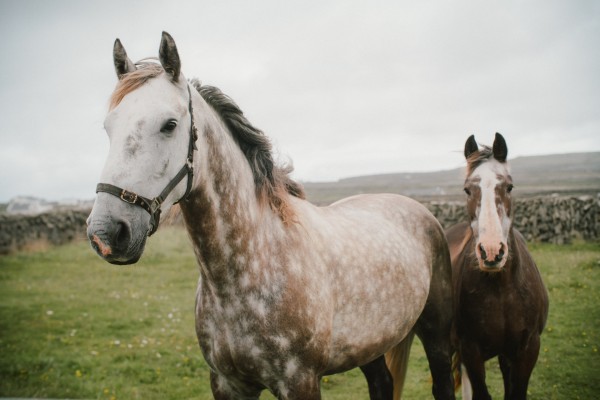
x=343 y=88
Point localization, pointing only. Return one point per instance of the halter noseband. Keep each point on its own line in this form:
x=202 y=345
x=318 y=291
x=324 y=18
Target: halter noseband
x=152 y=206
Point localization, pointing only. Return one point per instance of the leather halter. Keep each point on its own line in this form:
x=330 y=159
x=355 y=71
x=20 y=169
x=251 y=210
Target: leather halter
x=152 y=206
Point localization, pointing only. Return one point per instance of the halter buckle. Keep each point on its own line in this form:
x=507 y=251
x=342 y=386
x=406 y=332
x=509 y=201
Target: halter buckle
x=128 y=197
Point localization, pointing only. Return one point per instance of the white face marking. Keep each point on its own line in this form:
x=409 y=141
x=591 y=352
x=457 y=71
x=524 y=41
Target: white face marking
x=491 y=224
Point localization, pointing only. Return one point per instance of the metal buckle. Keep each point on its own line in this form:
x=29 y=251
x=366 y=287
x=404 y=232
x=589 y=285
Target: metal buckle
x=128 y=197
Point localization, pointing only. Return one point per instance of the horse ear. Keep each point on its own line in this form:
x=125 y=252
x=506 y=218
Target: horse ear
x=470 y=146
x=499 y=148
x=123 y=64
x=169 y=57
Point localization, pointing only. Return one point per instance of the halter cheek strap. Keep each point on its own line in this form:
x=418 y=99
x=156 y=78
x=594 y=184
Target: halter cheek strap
x=152 y=206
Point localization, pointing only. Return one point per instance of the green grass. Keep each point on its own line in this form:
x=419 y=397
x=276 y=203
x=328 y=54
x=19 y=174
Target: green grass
x=73 y=326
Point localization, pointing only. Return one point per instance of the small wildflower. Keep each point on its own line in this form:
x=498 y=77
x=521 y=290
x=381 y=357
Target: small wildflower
x=78 y=373
x=158 y=355
x=49 y=312
x=94 y=352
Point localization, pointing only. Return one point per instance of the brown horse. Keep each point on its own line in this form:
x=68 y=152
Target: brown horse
x=288 y=291
x=500 y=301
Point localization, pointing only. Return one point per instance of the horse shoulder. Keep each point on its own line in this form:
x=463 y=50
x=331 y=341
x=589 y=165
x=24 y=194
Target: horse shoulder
x=532 y=278
x=458 y=236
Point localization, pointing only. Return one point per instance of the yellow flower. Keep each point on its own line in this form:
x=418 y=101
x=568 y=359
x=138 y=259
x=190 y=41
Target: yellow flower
x=78 y=373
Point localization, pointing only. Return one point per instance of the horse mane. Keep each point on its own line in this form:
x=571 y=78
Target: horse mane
x=272 y=181
x=478 y=157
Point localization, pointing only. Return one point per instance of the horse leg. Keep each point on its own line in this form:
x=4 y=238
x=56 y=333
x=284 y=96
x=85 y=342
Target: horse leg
x=506 y=374
x=438 y=349
x=379 y=379
x=306 y=388
x=467 y=390
x=434 y=326
x=221 y=390
x=475 y=365
x=521 y=369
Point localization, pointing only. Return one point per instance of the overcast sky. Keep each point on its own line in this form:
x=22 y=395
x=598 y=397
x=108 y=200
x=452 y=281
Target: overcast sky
x=343 y=88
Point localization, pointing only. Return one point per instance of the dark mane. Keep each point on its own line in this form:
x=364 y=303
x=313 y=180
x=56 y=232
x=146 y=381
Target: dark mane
x=272 y=181
x=478 y=158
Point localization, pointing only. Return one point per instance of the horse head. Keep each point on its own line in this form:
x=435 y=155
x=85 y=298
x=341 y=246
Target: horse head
x=488 y=187
x=152 y=138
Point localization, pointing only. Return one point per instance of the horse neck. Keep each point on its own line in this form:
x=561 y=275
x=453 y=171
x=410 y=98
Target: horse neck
x=223 y=214
x=513 y=263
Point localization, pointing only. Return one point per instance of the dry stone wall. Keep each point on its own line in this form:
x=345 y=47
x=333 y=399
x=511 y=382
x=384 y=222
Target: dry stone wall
x=550 y=219
x=544 y=219
x=21 y=232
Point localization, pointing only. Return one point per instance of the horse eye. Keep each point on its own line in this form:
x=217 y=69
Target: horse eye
x=467 y=191
x=169 y=126
x=509 y=188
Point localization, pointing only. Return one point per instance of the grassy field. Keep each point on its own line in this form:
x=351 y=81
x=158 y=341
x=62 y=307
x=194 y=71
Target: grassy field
x=73 y=326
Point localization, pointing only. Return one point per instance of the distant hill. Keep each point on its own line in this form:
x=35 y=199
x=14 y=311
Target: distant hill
x=567 y=174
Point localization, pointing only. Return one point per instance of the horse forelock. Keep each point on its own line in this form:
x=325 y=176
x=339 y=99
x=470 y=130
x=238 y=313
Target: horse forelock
x=273 y=183
x=134 y=80
x=478 y=158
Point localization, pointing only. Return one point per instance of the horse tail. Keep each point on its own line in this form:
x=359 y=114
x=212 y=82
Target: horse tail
x=397 y=362
x=456 y=370
x=461 y=377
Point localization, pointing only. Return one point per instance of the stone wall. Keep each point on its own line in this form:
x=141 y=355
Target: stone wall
x=545 y=219
x=23 y=232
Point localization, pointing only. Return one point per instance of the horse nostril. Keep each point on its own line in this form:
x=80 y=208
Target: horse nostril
x=94 y=245
x=122 y=235
x=500 y=253
x=483 y=253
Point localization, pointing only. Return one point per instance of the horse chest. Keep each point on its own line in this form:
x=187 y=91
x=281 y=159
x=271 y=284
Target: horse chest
x=494 y=314
x=244 y=335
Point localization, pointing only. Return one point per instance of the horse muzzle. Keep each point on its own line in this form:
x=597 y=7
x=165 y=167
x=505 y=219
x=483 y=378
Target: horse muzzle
x=491 y=257
x=117 y=240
